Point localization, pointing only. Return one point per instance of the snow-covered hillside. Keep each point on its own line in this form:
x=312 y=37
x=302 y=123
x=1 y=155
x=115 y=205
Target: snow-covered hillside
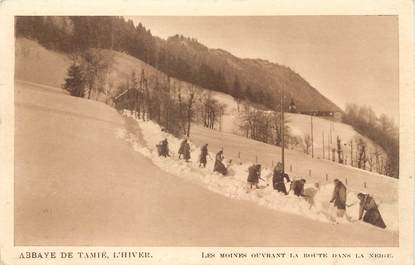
x=30 y=55
x=316 y=207
x=164 y=187
x=79 y=184
x=325 y=133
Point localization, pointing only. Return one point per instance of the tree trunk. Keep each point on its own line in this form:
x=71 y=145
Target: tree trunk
x=89 y=91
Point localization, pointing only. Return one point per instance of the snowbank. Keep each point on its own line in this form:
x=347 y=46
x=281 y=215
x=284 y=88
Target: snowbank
x=316 y=206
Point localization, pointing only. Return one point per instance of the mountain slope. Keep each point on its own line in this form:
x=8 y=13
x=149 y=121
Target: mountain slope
x=38 y=64
x=77 y=184
x=181 y=57
x=264 y=79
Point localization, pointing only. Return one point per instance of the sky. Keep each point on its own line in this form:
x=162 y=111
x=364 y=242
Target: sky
x=349 y=59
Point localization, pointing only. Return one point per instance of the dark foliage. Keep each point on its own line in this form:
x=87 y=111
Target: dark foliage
x=159 y=100
x=381 y=131
x=178 y=56
x=75 y=82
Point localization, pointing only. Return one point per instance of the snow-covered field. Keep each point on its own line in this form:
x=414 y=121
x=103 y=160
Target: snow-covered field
x=29 y=55
x=76 y=183
x=325 y=132
x=234 y=186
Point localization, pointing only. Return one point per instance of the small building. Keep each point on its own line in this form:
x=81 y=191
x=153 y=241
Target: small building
x=292 y=108
x=335 y=115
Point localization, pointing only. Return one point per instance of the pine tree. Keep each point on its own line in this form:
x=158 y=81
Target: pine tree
x=75 y=82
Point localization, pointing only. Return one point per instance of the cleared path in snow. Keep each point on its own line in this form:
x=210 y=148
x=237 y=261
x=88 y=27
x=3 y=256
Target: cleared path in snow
x=382 y=187
x=76 y=183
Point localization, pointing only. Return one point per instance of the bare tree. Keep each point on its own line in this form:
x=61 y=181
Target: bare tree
x=361 y=160
x=264 y=126
x=210 y=110
x=95 y=64
x=192 y=94
x=377 y=155
x=307 y=142
x=370 y=162
x=333 y=154
x=339 y=150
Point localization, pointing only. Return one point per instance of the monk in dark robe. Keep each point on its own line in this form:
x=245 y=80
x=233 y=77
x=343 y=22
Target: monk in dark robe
x=369 y=211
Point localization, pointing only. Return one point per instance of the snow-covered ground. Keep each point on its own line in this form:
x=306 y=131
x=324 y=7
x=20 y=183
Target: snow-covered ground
x=234 y=185
x=29 y=55
x=76 y=183
x=301 y=125
x=325 y=132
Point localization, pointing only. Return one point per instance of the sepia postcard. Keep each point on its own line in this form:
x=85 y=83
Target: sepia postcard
x=206 y=132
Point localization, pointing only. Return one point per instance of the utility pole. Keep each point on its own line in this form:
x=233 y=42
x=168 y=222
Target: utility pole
x=112 y=34
x=330 y=142
x=324 y=155
x=312 y=138
x=328 y=149
x=382 y=169
x=282 y=129
x=221 y=120
x=344 y=154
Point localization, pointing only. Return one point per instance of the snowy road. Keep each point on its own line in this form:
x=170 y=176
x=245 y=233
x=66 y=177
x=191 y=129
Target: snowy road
x=77 y=184
x=298 y=164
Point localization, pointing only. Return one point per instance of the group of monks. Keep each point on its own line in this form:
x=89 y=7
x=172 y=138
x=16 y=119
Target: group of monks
x=369 y=211
x=184 y=150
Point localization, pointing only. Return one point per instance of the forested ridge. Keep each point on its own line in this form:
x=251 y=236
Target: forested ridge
x=382 y=130
x=184 y=58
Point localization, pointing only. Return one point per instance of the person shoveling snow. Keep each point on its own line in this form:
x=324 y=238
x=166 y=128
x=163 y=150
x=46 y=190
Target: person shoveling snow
x=219 y=165
x=184 y=150
x=339 y=197
x=372 y=214
x=298 y=187
x=254 y=175
x=314 y=205
x=278 y=179
x=163 y=148
x=204 y=153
